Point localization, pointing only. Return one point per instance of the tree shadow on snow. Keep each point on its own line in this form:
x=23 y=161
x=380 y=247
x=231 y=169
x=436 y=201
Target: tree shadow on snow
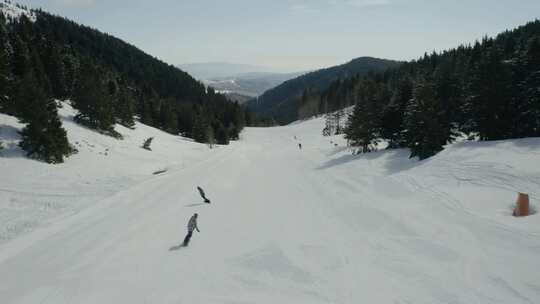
x=337 y=150
x=395 y=160
x=9 y=133
x=530 y=143
x=9 y=137
x=11 y=150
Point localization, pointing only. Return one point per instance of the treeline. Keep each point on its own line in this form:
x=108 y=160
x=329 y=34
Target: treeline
x=108 y=82
x=489 y=90
x=282 y=104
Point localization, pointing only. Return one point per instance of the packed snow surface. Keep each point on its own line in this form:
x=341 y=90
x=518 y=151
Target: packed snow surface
x=286 y=225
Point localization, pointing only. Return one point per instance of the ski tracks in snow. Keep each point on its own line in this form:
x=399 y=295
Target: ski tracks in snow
x=284 y=226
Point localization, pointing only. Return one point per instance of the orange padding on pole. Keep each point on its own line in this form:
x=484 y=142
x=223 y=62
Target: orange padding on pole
x=522 y=205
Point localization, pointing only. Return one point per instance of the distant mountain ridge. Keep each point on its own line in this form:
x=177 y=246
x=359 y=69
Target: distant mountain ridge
x=215 y=70
x=281 y=102
x=239 y=79
x=250 y=84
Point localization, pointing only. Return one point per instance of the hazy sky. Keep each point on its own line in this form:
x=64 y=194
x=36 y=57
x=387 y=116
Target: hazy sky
x=293 y=35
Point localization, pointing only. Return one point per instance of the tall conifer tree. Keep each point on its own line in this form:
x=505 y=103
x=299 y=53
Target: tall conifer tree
x=93 y=100
x=43 y=137
x=425 y=130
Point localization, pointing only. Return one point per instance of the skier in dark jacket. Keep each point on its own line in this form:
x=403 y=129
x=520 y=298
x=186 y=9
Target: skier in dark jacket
x=201 y=192
x=192 y=225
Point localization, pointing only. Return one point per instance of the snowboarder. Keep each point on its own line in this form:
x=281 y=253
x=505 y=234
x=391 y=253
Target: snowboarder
x=201 y=192
x=192 y=225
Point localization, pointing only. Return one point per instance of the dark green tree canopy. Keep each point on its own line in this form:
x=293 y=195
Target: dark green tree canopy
x=488 y=90
x=107 y=80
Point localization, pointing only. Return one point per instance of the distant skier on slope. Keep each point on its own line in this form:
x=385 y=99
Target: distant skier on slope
x=201 y=192
x=192 y=225
x=300 y=146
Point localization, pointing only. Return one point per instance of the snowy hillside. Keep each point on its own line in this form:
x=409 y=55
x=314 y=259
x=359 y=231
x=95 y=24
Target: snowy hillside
x=286 y=225
x=34 y=192
x=12 y=10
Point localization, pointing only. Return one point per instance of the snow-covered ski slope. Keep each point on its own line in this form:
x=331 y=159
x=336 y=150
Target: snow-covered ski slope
x=316 y=225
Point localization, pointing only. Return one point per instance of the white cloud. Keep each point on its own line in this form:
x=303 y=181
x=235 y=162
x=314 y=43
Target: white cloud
x=80 y=3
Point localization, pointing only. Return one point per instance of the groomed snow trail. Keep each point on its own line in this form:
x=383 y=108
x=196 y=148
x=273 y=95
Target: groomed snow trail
x=286 y=225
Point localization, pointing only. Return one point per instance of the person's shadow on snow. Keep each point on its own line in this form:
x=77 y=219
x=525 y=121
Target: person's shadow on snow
x=194 y=205
x=174 y=248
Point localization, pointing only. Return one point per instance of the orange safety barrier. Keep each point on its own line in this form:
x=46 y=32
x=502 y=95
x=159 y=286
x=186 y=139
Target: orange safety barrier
x=522 y=205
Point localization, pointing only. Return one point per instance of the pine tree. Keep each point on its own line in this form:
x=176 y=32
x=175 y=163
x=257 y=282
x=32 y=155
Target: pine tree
x=55 y=69
x=392 y=116
x=250 y=118
x=359 y=131
x=168 y=117
x=526 y=104
x=528 y=91
x=425 y=130
x=488 y=105
x=93 y=101
x=210 y=139
x=70 y=72
x=363 y=126
x=233 y=131
x=200 y=129
x=336 y=117
x=222 y=135
x=124 y=107
x=329 y=127
x=146 y=111
x=186 y=120
x=5 y=76
x=43 y=137
x=239 y=119
x=20 y=66
x=21 y=62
